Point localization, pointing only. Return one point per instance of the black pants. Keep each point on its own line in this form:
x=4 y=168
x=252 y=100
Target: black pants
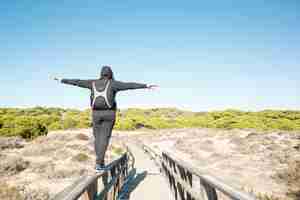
x=103 y=123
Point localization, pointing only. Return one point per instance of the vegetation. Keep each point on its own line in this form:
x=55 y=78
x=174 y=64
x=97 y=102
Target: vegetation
x=82 y=136
x=117 y=150
x=261 y=196
x=292 y=177
x=32 y=122
x=9 y=192
x=228 y=119
x=80 y=157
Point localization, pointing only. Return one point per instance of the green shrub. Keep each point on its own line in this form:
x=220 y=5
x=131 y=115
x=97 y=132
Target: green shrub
x=26 y=127
x=125 y=124
x=56 y=126
x=32 y=122
x=29 y=127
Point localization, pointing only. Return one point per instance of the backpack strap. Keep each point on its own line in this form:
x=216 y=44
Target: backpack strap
x=101 y=94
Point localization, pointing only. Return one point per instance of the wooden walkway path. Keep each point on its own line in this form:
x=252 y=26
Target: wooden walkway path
x=149 y=182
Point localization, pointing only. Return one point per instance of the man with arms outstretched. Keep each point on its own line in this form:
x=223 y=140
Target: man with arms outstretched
x=103 y=104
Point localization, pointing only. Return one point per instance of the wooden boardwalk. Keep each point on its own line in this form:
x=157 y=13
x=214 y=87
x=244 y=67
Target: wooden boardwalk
x=126 y=181
x=151 y=184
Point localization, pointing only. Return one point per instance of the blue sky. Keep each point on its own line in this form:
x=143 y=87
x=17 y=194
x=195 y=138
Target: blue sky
x=205 y=55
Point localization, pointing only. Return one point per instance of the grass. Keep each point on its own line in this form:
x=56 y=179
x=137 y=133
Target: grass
x=9 y=193
x=117 y=150
x=80 y=157
x=259 y=195
x=262 y=196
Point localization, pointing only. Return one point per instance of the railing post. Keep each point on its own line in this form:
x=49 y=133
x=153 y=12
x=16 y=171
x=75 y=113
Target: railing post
x=208 y=191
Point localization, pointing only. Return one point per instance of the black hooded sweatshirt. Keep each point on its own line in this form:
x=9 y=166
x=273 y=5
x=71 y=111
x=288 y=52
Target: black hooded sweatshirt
x=100 y=85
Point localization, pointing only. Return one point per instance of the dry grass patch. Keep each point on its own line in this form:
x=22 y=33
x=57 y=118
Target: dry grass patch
x=11 y=165
x=292 y=177
x=261 y=196
x=82 y=136
x=9 y=193
x=118 y=150
x=80 y=157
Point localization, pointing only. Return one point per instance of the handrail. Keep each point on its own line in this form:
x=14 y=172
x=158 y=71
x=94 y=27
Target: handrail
x=79 y=187
x=180 y=173
x=182 y=177
x=87 y=186
x=153 y=155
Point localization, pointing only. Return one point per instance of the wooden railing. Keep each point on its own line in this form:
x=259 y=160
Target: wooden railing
x=90 y=187
x=188 y=183
x=185 y=181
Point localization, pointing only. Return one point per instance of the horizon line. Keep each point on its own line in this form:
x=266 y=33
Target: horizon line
x=154 y=107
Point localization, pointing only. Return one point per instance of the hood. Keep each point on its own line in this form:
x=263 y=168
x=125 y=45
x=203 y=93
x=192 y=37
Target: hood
x=106 y=72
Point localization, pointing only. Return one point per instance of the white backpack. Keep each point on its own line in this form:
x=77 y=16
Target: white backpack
x=103 y=94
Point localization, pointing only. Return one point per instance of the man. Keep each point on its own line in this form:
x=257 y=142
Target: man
x=103 y=104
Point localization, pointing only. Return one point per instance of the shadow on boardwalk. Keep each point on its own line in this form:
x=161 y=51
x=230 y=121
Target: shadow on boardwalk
x=134 y=179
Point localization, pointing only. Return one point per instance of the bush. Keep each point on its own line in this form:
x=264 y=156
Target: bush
x=56 y=126
x=26 y=127
x=125 y=124
x=29 y=127
x=32 y=122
